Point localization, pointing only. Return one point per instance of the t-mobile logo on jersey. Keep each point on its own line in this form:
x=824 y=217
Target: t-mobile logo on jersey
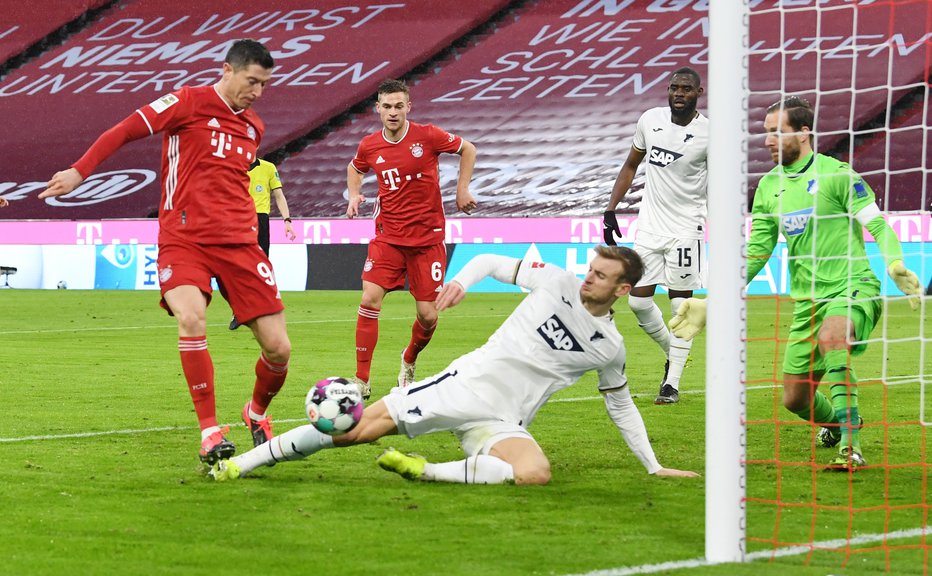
x=392 y=178
x=223 y=143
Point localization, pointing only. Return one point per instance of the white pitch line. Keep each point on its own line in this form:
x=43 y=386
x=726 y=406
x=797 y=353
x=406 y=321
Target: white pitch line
x=179 y=428
x=764 y=554
x=224 y=325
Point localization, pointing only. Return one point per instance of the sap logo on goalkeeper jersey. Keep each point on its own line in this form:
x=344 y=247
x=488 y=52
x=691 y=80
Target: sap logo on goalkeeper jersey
x=558 y=336
x=794 y=223
x=661 y=157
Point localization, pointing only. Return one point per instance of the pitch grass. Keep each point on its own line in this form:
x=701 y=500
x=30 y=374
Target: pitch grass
x=130 y=497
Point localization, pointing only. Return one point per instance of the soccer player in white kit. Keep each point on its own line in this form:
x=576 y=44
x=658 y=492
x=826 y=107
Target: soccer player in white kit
x=562 y=329
x=671 y=219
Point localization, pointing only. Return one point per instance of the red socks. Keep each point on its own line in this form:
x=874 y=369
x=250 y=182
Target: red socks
x=367 y=335
x=270 y=377
x=199 y=374
x=420 y=338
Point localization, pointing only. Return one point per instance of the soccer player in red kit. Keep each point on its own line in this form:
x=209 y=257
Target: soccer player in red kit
x=409 y=221
x=207 y=228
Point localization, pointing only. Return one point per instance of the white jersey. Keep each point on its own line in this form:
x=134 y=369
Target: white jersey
x=545 y=345
x=675 y=196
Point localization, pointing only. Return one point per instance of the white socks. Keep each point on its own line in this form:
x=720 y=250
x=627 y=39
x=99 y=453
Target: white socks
x=651 y=321
x=481 y=469
x=294 y=444
x=679 y=350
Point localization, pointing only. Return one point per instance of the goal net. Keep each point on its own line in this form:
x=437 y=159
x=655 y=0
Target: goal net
x=864 y=66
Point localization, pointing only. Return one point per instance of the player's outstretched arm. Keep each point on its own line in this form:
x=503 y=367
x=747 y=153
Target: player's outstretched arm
x=450 y=295
x=907 y=281
x=623 y=182
x=62 y=183
x=689 y=319
x=354 y=187
x=465 y=202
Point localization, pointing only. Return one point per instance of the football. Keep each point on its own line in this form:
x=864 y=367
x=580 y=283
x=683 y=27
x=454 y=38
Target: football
x=334 y=405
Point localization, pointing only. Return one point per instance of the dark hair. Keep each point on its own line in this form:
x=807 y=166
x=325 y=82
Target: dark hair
x=799 y=112
x=242 y=53
x=630 y=261
x=391 y=86
x=687 y=71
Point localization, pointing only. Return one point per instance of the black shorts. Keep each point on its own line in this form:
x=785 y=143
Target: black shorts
x=263 y=235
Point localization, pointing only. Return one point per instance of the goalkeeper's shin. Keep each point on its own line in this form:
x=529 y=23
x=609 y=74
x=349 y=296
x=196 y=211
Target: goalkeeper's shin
x=689 y=319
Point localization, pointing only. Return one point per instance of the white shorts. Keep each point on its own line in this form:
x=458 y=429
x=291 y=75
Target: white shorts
x=675 y=263
x=444 y=403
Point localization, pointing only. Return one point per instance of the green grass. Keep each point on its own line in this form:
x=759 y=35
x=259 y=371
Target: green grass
x=129 y=496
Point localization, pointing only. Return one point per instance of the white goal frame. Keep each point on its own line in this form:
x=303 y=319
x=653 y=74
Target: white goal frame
x=725 y=471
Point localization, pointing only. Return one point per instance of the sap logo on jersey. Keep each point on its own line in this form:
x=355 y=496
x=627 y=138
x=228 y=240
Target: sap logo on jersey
x=663 y=158
x=557 y=335
x=794 y=223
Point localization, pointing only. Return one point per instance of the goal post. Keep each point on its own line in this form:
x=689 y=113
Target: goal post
x=727 y=87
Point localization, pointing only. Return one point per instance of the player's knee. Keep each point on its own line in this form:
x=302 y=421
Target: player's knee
x=191 y=322
x=640 y=303
x=536 y=473
x=795 y=402
x=277 y=350
x=427 y=321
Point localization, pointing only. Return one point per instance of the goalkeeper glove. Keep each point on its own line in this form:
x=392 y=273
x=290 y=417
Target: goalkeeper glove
x=906 y=281
x=609 y=225
x=689 y=319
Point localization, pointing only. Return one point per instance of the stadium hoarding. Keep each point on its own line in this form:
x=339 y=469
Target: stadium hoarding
x=120 y=254
x=909 y=227
x=56 y=104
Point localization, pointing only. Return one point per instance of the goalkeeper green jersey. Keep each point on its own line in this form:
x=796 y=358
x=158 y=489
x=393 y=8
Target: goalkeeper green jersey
x=813 y=203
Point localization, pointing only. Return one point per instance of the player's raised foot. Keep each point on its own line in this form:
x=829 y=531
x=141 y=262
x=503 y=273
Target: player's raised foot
x=364 y=388
x=216 y=447
x=261 y=430
x=410 y=466
x=830 y=436
x=847 y=459
x=667 y=395
x=224 y=470
x=406 y=374
x=234 y=323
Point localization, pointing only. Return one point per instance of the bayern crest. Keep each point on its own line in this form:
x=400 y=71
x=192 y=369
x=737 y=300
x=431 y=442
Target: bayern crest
x=417 y=150
x=165 y=274
x=251 y=132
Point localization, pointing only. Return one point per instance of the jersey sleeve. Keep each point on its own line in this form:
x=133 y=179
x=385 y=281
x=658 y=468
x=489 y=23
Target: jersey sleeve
x=275 y=180
x=640 y=141
x=444 y=142
x=612 y=376
x=623 y=412
x=167 y=112
x=856 y=193
x=532 y=274
x=359 y=161
x=764 y=232
x=130 y=128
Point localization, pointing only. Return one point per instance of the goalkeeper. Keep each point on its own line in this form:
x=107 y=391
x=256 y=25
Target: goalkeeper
x=820 y=205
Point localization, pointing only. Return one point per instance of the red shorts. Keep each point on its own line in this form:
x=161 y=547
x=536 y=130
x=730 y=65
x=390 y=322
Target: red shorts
x=424 y=266
x=243 y=272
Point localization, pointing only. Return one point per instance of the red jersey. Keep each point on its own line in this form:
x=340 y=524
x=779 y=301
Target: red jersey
x=409 y=208
x=206 y=152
